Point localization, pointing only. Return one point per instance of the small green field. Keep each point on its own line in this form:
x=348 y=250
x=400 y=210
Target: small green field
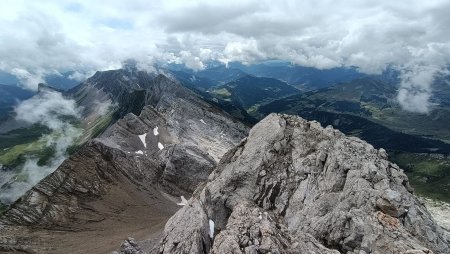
x=16 y=155
x=22 y=136
x=30 y=142
x=222 y=92
x=15 y=145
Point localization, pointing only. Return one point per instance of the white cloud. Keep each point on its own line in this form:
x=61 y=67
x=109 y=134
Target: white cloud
x=102 y=108
x=81 y=76
x=191 y=61
x=48 y=108
x=415 y=90
x=42 y=37
x=28 y=80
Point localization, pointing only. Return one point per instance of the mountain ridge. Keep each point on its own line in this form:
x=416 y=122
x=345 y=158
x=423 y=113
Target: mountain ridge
x=137 y=167
x=372 y=99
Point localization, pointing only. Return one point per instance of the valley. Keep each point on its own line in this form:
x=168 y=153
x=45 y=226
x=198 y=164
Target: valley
x=147 y=139
x=218 y=127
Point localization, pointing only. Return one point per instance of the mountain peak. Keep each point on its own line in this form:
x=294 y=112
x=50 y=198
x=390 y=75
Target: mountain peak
x=295 y=187
x=44 y=87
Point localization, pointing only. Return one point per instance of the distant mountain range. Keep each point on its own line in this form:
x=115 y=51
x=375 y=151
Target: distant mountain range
x=357 y=104
x=252 y=91
x=340 y=90
x=304 y=78
x=62 y=81
x=370 y=99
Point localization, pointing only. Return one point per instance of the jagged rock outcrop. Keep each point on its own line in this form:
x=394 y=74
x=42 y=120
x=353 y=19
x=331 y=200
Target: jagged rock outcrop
x=126 y=183
x=295 y=187
x=130 y=246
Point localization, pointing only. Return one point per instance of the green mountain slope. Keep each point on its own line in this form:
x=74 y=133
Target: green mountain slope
x=372 y=100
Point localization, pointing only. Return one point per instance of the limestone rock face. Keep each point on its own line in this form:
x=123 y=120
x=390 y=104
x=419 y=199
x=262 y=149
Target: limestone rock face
x=127 y=181
x=295 y=187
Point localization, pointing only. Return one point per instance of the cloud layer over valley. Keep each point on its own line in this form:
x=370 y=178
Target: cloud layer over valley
x=50 y=109
x=49 y=37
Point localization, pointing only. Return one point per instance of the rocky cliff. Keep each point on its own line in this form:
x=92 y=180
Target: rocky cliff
x=126 y=182
x=295 y=187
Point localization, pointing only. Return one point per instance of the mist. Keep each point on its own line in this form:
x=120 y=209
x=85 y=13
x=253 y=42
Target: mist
x=51 y=109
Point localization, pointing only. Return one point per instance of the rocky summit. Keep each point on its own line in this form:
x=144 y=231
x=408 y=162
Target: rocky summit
x=295 y=187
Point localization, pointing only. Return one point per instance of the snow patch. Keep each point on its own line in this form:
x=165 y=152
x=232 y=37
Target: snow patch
x=155 y=131
x=142 y=137
x=160 y=146
x=203 y=122
x=139 y=152
x=183 y=201
x=211 y=229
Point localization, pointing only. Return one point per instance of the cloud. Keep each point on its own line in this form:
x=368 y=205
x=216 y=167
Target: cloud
x=102 y=108
x=81 y=76
x=28 y=80
x=51 y=109
x=47 y=108
x=415 y=89
x=84 y=36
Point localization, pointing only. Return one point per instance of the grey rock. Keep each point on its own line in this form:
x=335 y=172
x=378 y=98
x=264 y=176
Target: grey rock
x=130 y=246
x=117 y=184
x=295 y=187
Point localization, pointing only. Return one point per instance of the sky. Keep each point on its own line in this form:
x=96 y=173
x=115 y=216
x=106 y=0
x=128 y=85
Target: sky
x=45 y=37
